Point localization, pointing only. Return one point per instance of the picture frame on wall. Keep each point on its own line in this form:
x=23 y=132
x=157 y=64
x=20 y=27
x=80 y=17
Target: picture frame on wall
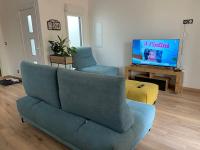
x=53 y=24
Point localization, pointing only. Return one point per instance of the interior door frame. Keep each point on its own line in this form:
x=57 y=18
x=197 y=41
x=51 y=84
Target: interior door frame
x=34 y=6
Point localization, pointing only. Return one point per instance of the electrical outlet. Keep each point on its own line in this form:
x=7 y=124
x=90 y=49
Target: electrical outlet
x=188 y=21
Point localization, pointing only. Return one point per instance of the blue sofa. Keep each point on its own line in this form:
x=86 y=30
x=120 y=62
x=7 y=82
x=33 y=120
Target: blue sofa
x=84 y=61
x=83 y=111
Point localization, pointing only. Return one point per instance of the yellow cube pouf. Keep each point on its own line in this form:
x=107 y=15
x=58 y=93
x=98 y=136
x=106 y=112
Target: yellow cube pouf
x=142 y=91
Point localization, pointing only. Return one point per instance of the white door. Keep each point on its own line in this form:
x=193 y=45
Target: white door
x=1 y=47
x=2 y=56
x=30 y=35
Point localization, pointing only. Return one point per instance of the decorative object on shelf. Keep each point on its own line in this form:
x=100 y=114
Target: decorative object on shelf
x=53 y=24
x=62 y=54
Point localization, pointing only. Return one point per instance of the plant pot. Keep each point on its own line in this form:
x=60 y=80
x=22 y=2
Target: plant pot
x=60 y=59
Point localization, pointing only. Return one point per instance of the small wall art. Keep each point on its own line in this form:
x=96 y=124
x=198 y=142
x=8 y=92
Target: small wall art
x=53 y=24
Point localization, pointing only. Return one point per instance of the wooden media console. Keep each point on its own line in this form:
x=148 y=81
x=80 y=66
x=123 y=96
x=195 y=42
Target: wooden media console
x=159 y=73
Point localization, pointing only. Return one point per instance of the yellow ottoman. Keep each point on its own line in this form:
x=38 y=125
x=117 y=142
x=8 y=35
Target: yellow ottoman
x=142 y=91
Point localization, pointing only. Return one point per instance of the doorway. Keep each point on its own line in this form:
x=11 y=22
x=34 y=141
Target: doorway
x=30 y=35
x=74 y=24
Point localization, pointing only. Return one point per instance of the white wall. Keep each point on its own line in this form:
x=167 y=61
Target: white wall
x=54 y=9
x=126 y=20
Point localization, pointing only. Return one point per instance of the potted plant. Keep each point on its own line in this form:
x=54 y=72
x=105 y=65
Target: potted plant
x=62 y=54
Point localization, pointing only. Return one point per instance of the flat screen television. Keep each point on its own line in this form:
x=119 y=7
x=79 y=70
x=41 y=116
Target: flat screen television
x=156 y=52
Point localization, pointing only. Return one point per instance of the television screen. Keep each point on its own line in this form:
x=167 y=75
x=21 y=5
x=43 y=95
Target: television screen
x=156 y=52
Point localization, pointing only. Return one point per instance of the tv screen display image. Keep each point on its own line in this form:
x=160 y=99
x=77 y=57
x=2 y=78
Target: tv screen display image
x=156 y=52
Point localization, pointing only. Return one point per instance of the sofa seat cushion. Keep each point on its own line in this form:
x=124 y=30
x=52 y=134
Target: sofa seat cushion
x=95 y=97
x=61 y=124
x=25 y=106
x=40 y=81
x=92 y=136
x=145 y=116
x=105 y=70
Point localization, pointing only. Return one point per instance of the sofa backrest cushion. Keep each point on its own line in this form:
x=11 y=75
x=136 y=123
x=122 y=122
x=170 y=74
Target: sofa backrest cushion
x=83 y=58
x=95 y=97
x=41 y=82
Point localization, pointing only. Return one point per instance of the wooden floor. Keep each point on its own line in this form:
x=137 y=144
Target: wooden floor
x=176 y=127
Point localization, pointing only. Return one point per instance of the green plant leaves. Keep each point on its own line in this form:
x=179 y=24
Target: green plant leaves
x=60 y=49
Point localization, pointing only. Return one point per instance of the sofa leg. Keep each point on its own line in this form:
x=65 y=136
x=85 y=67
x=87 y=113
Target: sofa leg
x=149 y=130
x=22 y=119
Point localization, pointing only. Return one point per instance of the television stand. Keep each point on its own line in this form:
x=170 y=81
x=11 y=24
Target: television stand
x=152 y=72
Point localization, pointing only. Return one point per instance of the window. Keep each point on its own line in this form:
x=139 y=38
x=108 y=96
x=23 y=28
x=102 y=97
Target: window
x=30 y=23
x=33 y=48
x=74 y=30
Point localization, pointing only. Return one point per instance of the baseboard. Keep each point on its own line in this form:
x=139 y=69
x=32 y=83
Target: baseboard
x=10 y=76
x=191 y=89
